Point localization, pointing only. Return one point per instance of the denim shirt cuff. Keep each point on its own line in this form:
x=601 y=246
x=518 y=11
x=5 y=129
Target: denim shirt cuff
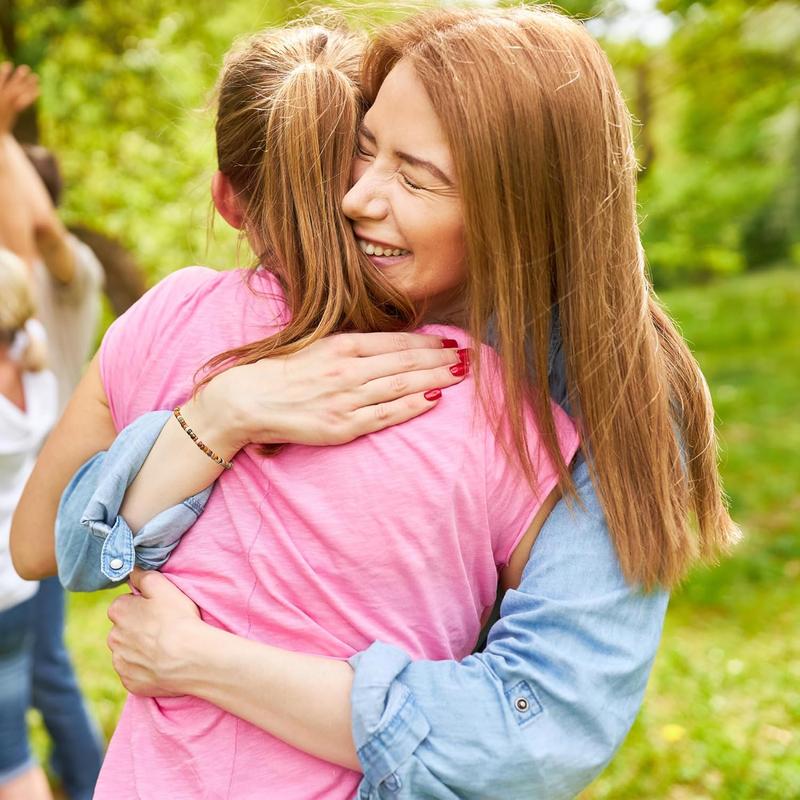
x=151 y=546
x=388 y=725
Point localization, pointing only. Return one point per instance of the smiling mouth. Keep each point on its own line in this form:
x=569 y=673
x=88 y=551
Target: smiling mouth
x=374 y=249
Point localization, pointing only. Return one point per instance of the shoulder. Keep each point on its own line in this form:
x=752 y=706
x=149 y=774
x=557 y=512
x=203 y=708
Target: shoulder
x=88 y=268
x=186 y=281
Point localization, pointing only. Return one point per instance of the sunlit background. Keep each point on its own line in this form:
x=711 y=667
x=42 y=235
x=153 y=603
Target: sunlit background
x=715 y=90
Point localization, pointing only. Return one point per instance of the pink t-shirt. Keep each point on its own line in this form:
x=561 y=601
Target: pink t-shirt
x=397 y=536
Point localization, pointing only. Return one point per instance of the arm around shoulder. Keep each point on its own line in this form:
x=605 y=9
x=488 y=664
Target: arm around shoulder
x=84 y=429
x=544 y=708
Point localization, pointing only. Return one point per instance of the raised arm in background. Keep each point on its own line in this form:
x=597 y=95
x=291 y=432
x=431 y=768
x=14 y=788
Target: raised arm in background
x=29 y=224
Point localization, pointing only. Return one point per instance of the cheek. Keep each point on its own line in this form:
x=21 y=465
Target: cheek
x=454 y=252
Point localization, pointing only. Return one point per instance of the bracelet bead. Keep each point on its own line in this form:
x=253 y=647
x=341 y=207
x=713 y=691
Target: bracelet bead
x=199 y=442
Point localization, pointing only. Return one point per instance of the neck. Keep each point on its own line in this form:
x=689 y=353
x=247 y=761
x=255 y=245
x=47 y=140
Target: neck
x=451 y=310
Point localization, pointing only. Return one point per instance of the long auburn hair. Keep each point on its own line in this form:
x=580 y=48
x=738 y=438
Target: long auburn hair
x=288 y=108
x=542 y=144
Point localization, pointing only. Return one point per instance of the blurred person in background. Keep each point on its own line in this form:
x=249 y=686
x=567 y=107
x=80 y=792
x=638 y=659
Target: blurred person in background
x=66 y=281
x=67 y=276
x=28 y=407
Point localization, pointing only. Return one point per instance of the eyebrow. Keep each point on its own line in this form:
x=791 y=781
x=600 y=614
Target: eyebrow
x=429 y=166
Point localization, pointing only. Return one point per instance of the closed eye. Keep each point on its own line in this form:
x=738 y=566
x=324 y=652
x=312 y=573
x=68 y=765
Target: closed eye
x=411 y=184
x=362 y=153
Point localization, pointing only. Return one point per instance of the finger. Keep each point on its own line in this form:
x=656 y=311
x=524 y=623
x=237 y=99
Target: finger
x=25 y=99
x=149 y=583
x=119 y=665
x=118 y=607
x=134 y=579
x=21 y=81
x=393 y=387
x=5 y=70
x=405 y=361
x=370 y=419
x=371 y=344
x=21 y=73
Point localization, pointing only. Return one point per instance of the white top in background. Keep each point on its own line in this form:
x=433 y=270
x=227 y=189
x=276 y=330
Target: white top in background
x=22 y=434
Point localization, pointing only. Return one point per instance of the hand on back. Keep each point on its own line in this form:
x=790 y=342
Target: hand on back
x=331 y=392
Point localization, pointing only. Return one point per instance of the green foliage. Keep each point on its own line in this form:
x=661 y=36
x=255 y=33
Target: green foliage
x=722 y=712
x=126 y=89
x=722 y=193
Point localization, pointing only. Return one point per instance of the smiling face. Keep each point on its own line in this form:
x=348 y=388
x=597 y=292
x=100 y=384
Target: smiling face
x=404 y=203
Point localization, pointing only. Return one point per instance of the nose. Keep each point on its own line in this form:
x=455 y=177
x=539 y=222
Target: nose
x=366 y=198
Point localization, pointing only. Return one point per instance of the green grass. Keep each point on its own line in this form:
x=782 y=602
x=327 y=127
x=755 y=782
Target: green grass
x=721 y=719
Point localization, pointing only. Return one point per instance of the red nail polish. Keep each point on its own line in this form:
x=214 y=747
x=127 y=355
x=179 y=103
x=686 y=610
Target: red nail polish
x=449 y=343
x=433 y=394
x=459 y=369
x=463 y=355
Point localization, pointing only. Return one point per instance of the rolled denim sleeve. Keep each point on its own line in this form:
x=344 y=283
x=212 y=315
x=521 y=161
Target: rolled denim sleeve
x=95 y=548
x=541 y=711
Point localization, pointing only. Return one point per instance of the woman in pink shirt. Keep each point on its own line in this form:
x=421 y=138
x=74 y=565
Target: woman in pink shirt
x=456 y=494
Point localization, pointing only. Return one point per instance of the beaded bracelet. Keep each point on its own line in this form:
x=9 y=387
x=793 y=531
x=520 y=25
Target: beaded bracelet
x=201 y=444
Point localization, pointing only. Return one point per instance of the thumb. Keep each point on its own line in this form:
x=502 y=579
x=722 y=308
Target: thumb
x=148 y=583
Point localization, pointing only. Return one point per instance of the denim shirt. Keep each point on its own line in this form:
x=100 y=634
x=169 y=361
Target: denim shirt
x=537 y=714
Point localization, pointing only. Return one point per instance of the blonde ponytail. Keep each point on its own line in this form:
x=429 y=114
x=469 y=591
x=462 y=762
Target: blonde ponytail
x=24 y=339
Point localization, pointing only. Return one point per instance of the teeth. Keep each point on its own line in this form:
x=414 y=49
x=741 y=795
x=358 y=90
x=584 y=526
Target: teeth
x=378 y=250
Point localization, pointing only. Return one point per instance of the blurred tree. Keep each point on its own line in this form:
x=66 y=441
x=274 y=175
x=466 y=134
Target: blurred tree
x=125 y=281
x=717 y=105
x=723 y=193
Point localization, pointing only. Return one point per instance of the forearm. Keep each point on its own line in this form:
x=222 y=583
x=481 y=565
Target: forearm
x=302 y=699
x=16 y=218
x=85 y=428
x=53 y=248
x=325 y=394
x=176 y=468
x=542 y=710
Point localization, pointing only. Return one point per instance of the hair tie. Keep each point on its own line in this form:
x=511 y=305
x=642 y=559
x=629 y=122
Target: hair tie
x=19 y=345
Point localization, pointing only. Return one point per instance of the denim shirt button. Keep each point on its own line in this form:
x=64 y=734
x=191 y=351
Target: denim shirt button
x=521 y=704
x=115 y=563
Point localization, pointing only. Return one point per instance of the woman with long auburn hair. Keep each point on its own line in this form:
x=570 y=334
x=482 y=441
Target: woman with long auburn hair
x=494 y=186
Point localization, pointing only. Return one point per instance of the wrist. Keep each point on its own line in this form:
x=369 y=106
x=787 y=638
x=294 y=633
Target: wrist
x=219 y=428
x=238 y=408
x=181 y=656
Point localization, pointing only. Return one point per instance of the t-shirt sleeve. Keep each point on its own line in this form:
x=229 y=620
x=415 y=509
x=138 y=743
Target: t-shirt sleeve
x=136 y=337
x=89 y=275
x=511 y=503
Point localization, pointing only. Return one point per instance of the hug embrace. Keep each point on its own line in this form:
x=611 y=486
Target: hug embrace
x=445 y=379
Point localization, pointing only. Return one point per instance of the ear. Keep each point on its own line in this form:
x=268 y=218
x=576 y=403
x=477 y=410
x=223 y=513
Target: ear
x=226 y=200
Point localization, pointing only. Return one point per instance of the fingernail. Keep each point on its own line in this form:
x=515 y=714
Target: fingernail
x=449 y=343
x=433 y=394
x=459 y=369
x=463 y=355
